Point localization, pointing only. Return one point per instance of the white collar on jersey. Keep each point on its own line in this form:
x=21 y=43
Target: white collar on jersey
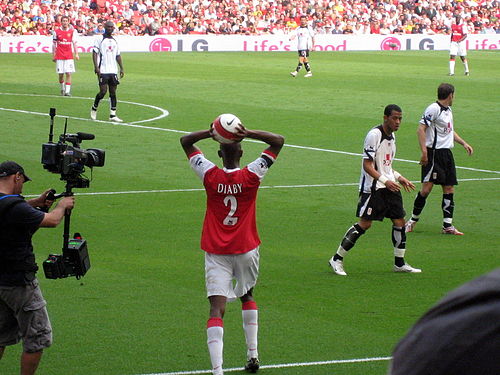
x=230 y=170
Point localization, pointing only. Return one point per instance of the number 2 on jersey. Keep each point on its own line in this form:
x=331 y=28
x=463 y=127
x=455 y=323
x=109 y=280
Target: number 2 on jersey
x=230 y=200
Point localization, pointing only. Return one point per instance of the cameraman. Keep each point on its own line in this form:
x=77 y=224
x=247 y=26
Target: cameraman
x=23 y=314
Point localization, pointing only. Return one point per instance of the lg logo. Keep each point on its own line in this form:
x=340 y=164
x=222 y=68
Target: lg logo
x=164 y=45
x=160 y=45
x=394 y=44
x=390 y=44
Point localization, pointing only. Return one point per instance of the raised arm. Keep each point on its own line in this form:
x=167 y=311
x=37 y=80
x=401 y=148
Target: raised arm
x=188 y=140
x=275 y=141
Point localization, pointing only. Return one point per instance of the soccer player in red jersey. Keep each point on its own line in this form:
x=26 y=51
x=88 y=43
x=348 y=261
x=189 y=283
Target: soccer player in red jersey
x=64 y=45
x=229 y=237
x=457 y=45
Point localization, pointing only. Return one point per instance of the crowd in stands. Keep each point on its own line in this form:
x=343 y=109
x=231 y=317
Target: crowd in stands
x=249 y=17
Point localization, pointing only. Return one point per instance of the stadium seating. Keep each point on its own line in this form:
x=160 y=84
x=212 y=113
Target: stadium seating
x=151 y=17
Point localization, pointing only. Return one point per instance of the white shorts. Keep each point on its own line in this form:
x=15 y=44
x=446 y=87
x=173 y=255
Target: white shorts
x=222 y=270
x=65 y=66
x=458 y=49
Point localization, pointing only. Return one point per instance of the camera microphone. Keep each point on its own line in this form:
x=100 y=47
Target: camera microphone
x=52 y=114
x=85 y=136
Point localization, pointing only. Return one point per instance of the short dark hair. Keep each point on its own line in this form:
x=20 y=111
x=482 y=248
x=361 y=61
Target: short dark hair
x=444 y=90
x=230 y=151
x=390 y=108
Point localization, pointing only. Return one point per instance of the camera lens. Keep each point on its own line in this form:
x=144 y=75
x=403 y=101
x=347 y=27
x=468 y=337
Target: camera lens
x=95 y=157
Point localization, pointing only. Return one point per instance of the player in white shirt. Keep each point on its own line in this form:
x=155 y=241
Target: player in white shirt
x=380 y=194
x=106 y=57
x=305 y=43
x=436 y=136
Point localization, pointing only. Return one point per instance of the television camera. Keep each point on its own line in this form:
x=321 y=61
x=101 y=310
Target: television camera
x=67 y=159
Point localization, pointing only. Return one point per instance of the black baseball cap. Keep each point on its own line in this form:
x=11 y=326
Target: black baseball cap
x=9 y=167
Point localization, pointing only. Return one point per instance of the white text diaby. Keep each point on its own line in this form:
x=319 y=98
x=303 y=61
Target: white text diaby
x=229 y=188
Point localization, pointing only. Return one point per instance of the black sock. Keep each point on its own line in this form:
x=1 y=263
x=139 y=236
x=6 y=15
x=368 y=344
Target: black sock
x=448 y=205
x=398 y=261
x=112 y=100
x=418 y=206
x=97 y=99
x=351 y=236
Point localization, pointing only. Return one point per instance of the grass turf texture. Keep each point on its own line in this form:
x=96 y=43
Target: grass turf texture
x=141 y=308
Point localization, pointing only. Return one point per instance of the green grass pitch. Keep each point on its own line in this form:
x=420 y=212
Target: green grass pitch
x=141 y=309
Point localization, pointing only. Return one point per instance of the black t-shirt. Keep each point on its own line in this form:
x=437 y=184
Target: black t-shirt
x=25 y=215
x=19 y=223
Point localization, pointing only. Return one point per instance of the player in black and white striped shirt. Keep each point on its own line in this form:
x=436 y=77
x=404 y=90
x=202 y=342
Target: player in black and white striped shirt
x=380 y=194
x=436 y=136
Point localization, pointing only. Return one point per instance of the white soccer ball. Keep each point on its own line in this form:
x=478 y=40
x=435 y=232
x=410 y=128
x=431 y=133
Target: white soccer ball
x=225 y=127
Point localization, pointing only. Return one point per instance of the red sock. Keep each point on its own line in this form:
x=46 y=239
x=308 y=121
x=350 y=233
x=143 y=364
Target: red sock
x=249 y=305
x=215 y=322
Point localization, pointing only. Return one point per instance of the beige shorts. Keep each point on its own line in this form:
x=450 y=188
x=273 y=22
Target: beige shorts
x=23 y=315
x=231 y=276
x=65 y=66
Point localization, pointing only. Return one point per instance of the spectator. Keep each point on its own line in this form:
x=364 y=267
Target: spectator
x=266 y=16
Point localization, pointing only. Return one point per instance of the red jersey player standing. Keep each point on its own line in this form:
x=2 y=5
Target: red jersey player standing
x=457 y=45
x=63 y=47
x=229 y=237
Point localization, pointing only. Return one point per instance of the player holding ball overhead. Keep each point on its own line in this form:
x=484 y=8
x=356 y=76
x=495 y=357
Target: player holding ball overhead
x=229 y=236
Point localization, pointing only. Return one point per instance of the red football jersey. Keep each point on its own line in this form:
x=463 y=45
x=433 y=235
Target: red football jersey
x=64 y=41
x=229 y=226
x=457 y=32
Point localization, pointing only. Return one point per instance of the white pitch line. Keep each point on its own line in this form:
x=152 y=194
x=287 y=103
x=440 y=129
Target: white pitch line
x=404 y=160
x=134 y=124
x=164 y=112
x=261 y=187
x=129 y=124
x=284 y=365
